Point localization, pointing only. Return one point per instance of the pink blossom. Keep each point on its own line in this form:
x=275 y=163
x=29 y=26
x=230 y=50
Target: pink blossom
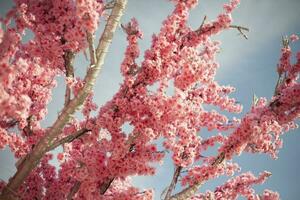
x=105 y=155
x=294 y=37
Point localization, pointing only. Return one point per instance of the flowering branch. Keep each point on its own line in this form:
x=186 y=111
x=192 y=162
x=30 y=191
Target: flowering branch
x=42 y=146
x=68 y=139
x=191 y=190
x=229 y=149
x=101 y=162
x=279 y=112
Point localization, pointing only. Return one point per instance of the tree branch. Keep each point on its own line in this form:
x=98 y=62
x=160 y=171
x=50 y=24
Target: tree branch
x=69 y=58
x=241 y=29
x=42 y=146
x=109 y=5
x=174 y=181
x=8 y=123
x=104 y=187
x=292 y=110
x=201 y=26
x=13 y=192
x=74 y=190
x=90 y=39
x=191 y=190
x=68 y=139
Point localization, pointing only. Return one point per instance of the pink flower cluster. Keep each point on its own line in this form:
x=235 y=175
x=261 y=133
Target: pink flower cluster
x=129 y=67
x=89 y=12
x=209 y=171
x=261 y=128
x=240 y=186
x=179 y=58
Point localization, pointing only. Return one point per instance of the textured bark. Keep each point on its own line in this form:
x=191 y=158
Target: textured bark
x=69 y=58
x=186 y=193
x=174 y=181
x=74 y=190
x=104 y=187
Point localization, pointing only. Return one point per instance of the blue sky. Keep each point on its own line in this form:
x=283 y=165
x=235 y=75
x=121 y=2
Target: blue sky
x=249 y=65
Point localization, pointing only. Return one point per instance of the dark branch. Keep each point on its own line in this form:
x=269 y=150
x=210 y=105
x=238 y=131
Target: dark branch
x=27 y=130
x=68 y=139
x=8 y=123
x=241 y=29
x=174 y=181
x=191 y=190
x=201 y=26
x=74 y=190
x=104 y=187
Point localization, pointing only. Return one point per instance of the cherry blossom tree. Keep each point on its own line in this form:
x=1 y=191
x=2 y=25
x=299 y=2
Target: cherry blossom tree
x=98 y=158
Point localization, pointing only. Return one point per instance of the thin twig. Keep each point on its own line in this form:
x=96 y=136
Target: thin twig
x=191 y=190
x=279 y=81
x=281 y=77
x=201 y=26
x=285 y=41
x=240 y=29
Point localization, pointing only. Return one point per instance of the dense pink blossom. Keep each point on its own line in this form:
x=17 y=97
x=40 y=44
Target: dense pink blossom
x=105 y=156
x=240 y=186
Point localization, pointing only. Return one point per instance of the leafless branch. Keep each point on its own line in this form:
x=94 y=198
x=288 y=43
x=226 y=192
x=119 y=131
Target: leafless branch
x=241 y=29
x=176 y=174
x=109 y=5
x=74 y=190
x=285 y=41
x=27 y=130
x=104 y=187
x=8 y=123
x=201 y=26
x=17 y=196
x=69 y=58
x=278 y=83
x=68 y=139
x=90 y=39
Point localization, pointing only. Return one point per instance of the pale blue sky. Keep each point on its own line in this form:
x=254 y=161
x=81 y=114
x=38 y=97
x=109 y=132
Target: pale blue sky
x=249 y=65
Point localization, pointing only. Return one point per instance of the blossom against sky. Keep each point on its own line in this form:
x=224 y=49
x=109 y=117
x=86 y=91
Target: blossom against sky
x=248 y=65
